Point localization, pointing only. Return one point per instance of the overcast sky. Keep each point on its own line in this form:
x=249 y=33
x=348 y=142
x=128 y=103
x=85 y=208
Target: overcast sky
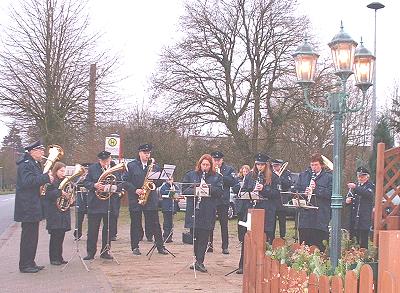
x=137 y=30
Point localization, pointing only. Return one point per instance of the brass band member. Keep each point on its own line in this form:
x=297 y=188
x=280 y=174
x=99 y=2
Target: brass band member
x=317 y=184
x=203 y=221
x=97 y=208
x=169 y=207
x=284 y=184
x=361 y=202
x=229 y=180
x=28 y=208
x=57 y=222
x=134 y=181
x=81 y=202
x=242 y=206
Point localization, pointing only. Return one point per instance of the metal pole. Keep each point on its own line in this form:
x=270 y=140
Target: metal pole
x=1 y=178
x=336 y=199
x=375 y=6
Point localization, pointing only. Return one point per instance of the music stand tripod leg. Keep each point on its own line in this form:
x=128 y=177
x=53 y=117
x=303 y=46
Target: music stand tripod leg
x=107 y=248
x=77 y=251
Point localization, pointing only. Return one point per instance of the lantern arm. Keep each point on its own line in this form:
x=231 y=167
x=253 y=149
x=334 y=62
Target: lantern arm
x=356 y=108
x=309 y=104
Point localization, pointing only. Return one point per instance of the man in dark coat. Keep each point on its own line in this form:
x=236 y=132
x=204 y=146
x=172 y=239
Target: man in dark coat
x=361 y=202
x=28 y=207
x=134 y=179
x=98 y=208
x=229 y=180
x=284 y=182
x=316 y=183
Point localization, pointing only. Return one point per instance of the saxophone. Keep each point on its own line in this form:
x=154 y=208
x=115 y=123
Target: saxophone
x=63 y=203
x=148 y=185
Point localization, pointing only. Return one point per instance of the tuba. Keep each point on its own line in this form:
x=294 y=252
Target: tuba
x=148 y=185
x=108 y=178
x=56 y=153
x=63 y=203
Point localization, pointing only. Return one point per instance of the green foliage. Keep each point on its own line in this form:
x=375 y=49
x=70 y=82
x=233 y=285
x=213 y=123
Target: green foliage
x=381 y=134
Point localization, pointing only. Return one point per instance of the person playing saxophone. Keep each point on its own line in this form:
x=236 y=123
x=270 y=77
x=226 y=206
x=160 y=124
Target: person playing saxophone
x=136 y=183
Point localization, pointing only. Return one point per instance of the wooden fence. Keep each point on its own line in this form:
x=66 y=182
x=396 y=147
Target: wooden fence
x=261 y=274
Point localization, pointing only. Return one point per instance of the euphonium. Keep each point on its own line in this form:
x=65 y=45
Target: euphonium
x=63 y=203
x=148 y=185
x=108 y=178
x=56 y=153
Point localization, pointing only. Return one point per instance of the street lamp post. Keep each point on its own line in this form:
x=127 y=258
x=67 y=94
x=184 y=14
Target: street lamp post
x=346 y=57
x=376 y=6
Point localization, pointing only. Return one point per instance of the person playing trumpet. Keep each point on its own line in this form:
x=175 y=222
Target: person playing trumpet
x=57 y=222
x=28 y=207
x=169 y=207
x=316 y=183
x=229 y=180
x=361 y=202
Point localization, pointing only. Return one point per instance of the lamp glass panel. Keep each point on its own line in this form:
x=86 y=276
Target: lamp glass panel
x=305 y=67
x=364 y=68
x=343 y=56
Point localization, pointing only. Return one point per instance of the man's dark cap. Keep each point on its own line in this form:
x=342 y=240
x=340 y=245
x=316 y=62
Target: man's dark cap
x=103 y=155
x=85 y=164
x=362 y=171
x=217 y=155
x=35 y=145
x=147 y=147
x=261 y=158
x=277 y=162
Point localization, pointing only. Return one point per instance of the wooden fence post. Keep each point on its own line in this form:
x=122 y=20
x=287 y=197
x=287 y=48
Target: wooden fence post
x=254 y=252
x=389 y=243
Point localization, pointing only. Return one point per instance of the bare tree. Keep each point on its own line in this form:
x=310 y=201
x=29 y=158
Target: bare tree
x=44 y=67
x=233 y=64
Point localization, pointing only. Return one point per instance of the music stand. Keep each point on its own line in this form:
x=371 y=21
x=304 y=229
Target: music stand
x=299 y=201
x=165 y=173
x=107 y=248
x=199 y=192
x=76 y=239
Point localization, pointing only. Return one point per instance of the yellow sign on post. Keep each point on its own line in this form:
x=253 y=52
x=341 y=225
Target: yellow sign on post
x=112 y=145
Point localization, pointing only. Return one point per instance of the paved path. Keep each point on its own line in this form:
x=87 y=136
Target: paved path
x=162 y=273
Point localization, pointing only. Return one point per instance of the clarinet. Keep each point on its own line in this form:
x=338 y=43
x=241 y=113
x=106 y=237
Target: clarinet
x=202 y=181
x=313 y=176
x=260 y=180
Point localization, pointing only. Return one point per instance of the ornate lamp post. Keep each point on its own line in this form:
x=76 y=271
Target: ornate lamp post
x=347 y=60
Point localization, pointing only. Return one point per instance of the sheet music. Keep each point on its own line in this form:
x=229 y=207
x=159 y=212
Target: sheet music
x=165 y=174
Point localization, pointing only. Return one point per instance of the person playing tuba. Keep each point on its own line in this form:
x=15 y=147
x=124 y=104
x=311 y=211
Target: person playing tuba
x=137 y=184
x=57 y=222
x=97 y=207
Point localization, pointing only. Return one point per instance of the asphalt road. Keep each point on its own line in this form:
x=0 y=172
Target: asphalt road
x=6 y=211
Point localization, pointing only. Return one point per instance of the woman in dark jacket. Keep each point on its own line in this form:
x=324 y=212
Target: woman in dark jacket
x=201 y=211
x=57 y=222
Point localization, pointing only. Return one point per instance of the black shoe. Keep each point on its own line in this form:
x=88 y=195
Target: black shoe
x=39 y=267
x=55 y=262
x=225 y=251
x=162 y=251
x=114 y=238
x=63 y=262
x=136 y=251
x=169 y=240
x=88 y=257
x=199 y=267
x=239 y=271
x=29 y=270
x=210 y=248
x=106 y=255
